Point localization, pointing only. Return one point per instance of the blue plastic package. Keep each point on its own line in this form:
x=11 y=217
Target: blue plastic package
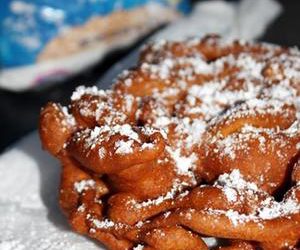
x=33 y=32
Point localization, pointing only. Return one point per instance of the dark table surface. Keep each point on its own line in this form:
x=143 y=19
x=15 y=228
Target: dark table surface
x=19 y=111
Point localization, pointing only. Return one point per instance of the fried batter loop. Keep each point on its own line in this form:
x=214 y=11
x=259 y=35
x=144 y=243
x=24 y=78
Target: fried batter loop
x=200 y=139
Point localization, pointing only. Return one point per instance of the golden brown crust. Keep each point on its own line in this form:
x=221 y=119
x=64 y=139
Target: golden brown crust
x=239 y=245
x=55 y=123
x=169 y=238
x=200 y=139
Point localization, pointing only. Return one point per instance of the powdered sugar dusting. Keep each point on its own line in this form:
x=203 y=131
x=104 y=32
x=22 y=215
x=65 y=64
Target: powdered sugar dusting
x=138 y=247
x=123 y=147
x=197 y=114
x=234 y=185
x=184 y=165
x=177 y=187
x=70 y=120
x=82 y=90
x=102 y=152
x=199 y=106
x=235 y=180
x=83 y=185
x=103 y=224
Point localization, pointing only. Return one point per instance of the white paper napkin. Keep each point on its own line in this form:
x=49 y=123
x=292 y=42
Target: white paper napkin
x=30 y=218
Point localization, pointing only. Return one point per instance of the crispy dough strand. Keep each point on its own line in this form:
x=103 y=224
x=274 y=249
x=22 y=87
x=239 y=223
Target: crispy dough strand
x=200 y=139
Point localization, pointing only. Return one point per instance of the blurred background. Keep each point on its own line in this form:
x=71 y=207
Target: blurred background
x=48 y=47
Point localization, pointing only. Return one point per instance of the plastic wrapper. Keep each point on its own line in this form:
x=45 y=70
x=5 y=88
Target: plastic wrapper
x=46 y=40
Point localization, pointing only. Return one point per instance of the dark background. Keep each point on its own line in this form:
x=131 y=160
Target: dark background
x=19 y=111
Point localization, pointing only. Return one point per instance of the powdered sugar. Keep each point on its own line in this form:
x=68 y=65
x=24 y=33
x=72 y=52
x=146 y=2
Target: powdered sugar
x=231 y=194
x=227 y=147
x=82 y=90
x=235 y=180
x=83 y=185
x=184 y=165
x=126 y=130
x=95 y=136
x=177 y=187
x=103 y=224
x=138 y=247
x=233 y=185
x=70 y=120
x=147 y=145
x=102 y=152
x=271 y=209
x=123 y=147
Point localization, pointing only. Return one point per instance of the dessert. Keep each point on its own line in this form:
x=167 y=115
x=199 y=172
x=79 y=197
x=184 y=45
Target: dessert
x=200 y=139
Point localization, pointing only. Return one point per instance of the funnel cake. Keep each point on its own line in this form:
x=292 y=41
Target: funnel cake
x=201 y=139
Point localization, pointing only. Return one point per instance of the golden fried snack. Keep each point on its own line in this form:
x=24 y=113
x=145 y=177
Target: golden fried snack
x=234 y=139
x=55 y=122
x=253 y=216
x=111 y=149
x=201 y=139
